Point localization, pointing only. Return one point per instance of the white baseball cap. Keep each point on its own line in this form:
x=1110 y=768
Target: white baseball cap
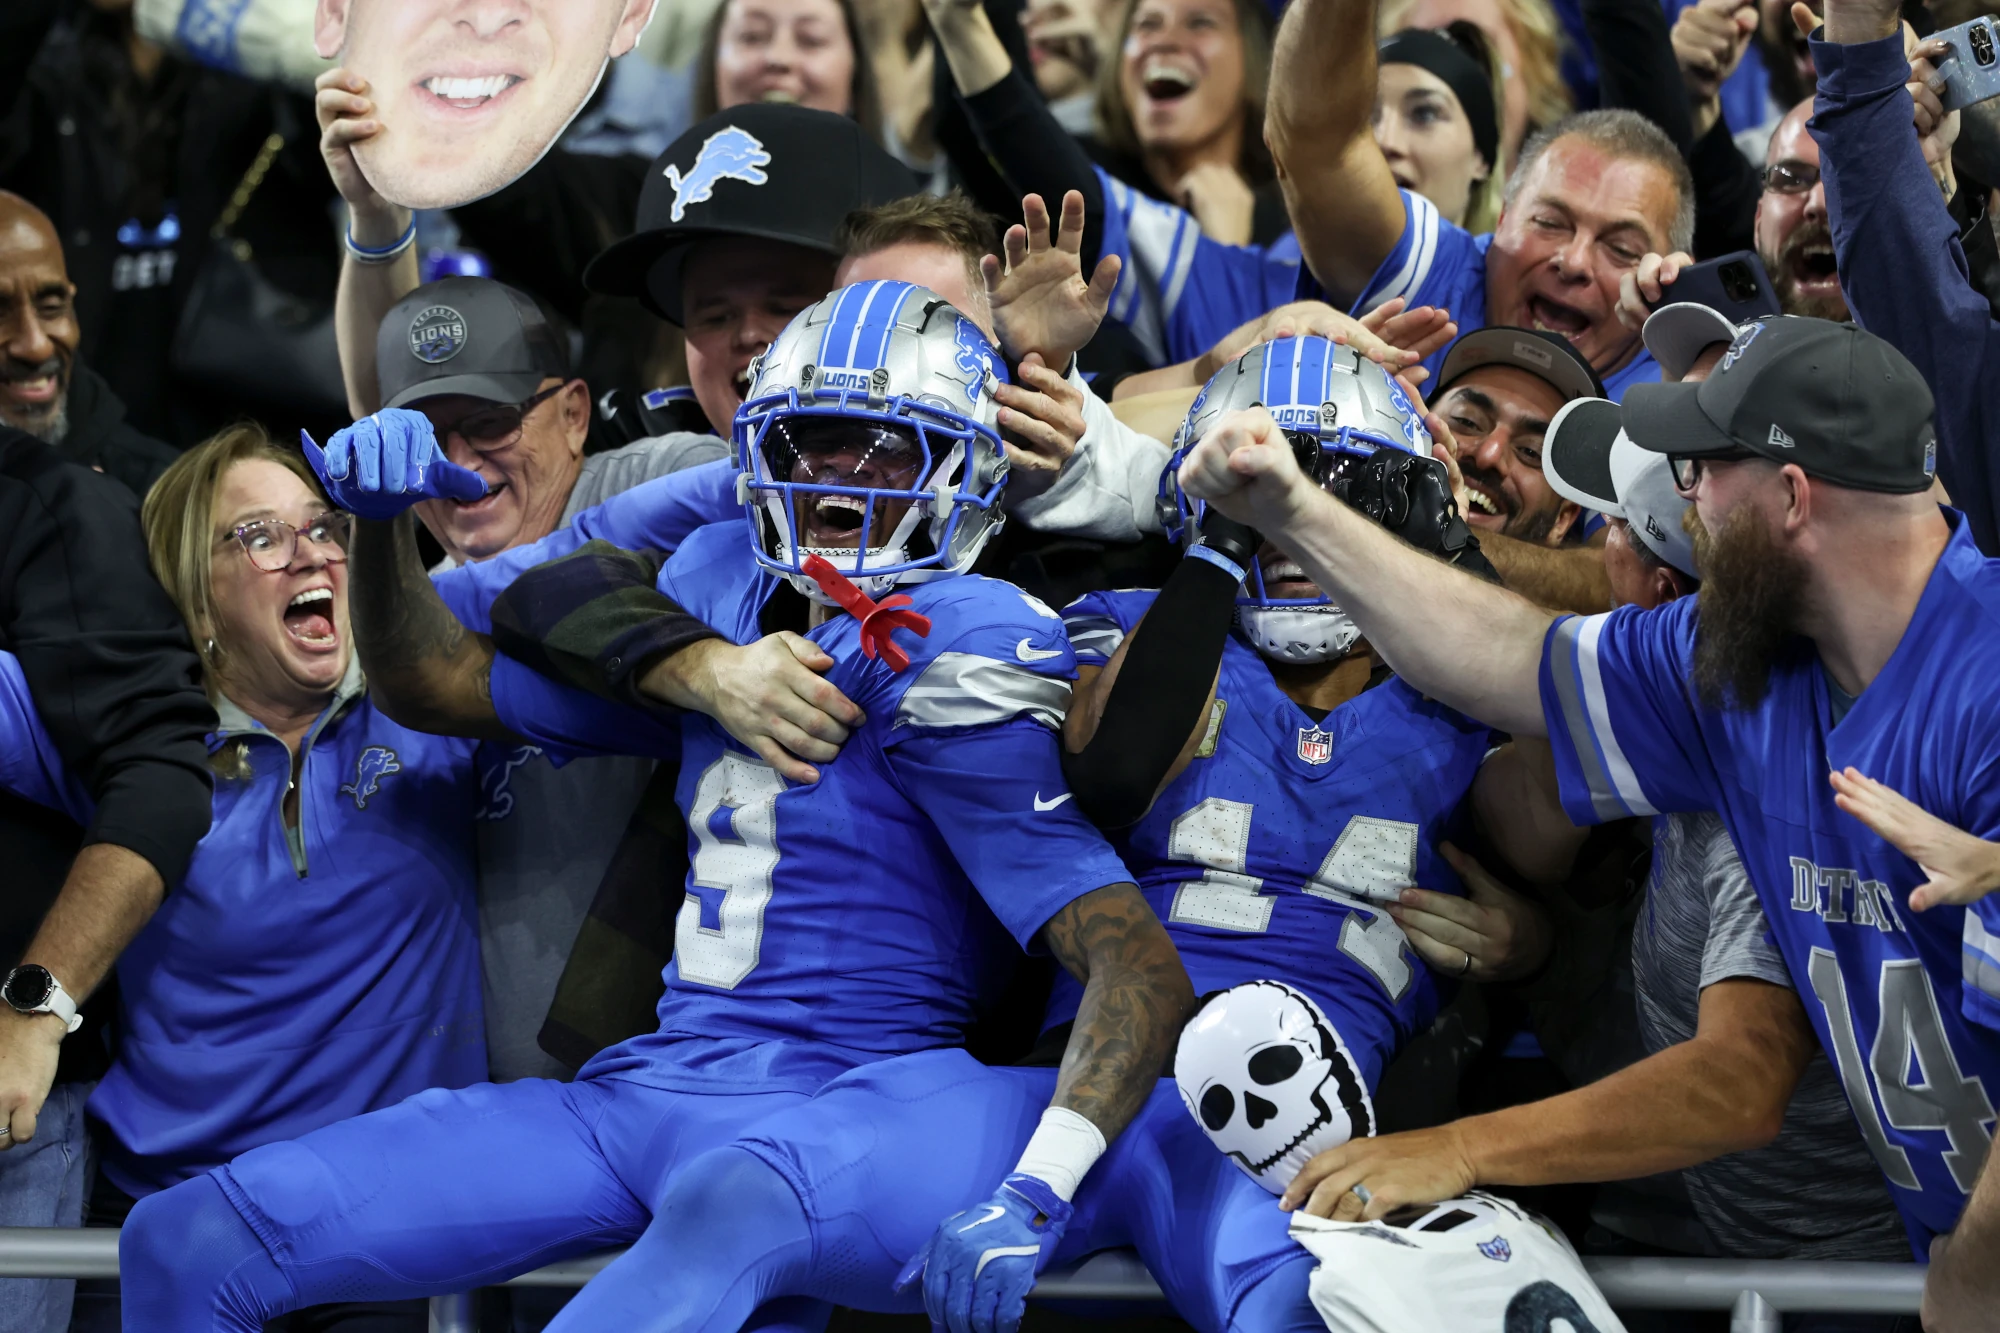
x=1676 y=334
x=1588 y=459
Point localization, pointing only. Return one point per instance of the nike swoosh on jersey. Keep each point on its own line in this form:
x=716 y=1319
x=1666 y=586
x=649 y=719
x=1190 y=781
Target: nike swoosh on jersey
x=1040 y=804
x=1028 y=654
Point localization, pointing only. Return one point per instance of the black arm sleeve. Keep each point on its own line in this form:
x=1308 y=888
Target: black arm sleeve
x=1637 y=70
x=1169 y=667
x=977 y=173
x=105 y=654
x=1035 y=154
x=1726 y=189
x=594 y=619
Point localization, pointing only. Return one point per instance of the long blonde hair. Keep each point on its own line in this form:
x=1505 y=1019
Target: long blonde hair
x=1255 y=29
x=178 y=516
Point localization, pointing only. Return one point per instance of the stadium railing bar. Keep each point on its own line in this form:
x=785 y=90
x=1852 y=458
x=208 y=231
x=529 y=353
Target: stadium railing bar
x=1755 y=1292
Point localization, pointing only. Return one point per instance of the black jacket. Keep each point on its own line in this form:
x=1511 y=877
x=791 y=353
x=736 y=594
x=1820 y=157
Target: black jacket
x=90 y=145
x=99 y=436
x=113 y=677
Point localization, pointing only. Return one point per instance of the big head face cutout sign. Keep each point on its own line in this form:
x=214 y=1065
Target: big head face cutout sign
x=470 y=93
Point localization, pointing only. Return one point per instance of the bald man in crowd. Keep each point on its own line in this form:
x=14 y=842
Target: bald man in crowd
x=44 y=389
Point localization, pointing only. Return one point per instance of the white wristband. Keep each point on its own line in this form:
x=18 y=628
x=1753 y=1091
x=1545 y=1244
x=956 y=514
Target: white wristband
x=1061 y=1152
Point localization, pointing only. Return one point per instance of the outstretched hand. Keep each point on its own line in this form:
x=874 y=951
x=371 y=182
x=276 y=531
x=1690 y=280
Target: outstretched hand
x=1041 y=304
x=1645 y=286
x=1959 y=867
x=386 y=462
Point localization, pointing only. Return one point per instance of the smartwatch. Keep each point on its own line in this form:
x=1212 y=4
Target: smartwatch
x=33 y=989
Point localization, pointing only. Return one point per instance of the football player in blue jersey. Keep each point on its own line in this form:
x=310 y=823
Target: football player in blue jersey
x=1291 y=809
x=826 y=926
x=1843 y=622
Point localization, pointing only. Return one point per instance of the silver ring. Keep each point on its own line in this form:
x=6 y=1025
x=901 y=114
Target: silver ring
x=1360 y=1192
x=1467 y=966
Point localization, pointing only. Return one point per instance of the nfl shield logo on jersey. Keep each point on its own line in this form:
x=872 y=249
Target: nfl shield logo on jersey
x=1497 y=1248
x=1315 y=746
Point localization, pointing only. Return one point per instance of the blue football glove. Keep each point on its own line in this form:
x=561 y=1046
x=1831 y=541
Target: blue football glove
x=383 y=464
x=980 y=1265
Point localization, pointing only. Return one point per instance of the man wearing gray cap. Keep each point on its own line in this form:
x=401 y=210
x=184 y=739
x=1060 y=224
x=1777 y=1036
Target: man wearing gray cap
x=491 y=370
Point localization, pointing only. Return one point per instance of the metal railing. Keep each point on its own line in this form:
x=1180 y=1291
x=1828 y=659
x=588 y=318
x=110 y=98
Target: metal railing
x=1755 y=1292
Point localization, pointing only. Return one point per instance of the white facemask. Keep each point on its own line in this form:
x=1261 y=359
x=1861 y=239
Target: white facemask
x=1298 y=634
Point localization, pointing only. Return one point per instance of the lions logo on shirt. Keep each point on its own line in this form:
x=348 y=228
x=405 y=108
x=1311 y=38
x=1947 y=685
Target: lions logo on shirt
x=376 y=762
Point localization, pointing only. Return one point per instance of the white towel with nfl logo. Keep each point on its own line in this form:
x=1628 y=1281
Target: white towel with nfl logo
x=1477 y=1262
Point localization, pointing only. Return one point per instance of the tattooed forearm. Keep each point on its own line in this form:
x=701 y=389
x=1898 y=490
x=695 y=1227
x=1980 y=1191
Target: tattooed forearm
x=424 y=668
x=1136 y=997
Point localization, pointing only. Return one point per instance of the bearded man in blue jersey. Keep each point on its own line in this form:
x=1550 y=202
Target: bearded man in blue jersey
x=1844 y=620
x=868 y=909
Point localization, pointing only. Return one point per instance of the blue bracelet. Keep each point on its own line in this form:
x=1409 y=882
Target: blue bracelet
x=1220 y=561
x=366 y=255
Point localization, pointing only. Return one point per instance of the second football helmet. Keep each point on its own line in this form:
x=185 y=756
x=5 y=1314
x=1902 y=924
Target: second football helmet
x=1336 y=408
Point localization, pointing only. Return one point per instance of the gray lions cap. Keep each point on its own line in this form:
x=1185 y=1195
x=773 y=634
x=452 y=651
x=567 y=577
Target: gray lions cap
x=1587 y=458
x=472 y=336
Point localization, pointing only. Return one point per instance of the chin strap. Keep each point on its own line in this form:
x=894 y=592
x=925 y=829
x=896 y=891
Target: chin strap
x=878 y=619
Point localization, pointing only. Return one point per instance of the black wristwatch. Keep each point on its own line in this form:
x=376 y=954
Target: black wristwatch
x=33 y=989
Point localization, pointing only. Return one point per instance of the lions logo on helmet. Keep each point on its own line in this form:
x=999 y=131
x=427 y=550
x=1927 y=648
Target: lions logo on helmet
x=870 y=438
x=1336 y=407
x=1270 y=1081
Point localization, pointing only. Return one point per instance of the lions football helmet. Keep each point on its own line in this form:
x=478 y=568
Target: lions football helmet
x=1336 y=407
x=870 y=438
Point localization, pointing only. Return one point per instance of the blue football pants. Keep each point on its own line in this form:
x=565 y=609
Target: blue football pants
x=847 y=1186
x=448 y=1190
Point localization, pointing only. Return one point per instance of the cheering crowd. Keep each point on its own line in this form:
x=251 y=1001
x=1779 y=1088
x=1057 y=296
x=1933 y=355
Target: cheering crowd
x=1335 y=641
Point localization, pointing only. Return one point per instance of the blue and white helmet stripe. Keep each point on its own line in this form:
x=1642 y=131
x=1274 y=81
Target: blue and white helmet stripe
x=1312 y=387
x=898 y=357
x=857 y=336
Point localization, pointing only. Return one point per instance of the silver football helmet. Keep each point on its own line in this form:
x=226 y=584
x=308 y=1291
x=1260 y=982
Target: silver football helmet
x=1336 y=407
x=870 y=438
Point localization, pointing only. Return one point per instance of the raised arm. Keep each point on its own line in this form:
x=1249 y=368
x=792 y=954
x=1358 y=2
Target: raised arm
x=1880 y=202
x=367 y=291
x=1344 y=203
x=1422 y=619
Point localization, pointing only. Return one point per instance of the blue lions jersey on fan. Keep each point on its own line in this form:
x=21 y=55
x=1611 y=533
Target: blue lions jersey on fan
x=1437 y=262
x=1263 y=855
x=1178 y=291
x=869 y=913
x=1906 y=1003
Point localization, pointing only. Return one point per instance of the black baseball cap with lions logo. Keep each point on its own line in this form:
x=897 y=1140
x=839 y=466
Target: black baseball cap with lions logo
x=1835 y=399
x=471 y=336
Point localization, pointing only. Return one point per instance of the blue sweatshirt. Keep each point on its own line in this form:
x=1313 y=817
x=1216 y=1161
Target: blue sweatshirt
x=293 y=979
x=1901 y=267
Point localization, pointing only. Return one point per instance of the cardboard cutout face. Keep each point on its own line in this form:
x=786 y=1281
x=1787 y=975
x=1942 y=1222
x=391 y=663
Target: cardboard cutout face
x=470 y=93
